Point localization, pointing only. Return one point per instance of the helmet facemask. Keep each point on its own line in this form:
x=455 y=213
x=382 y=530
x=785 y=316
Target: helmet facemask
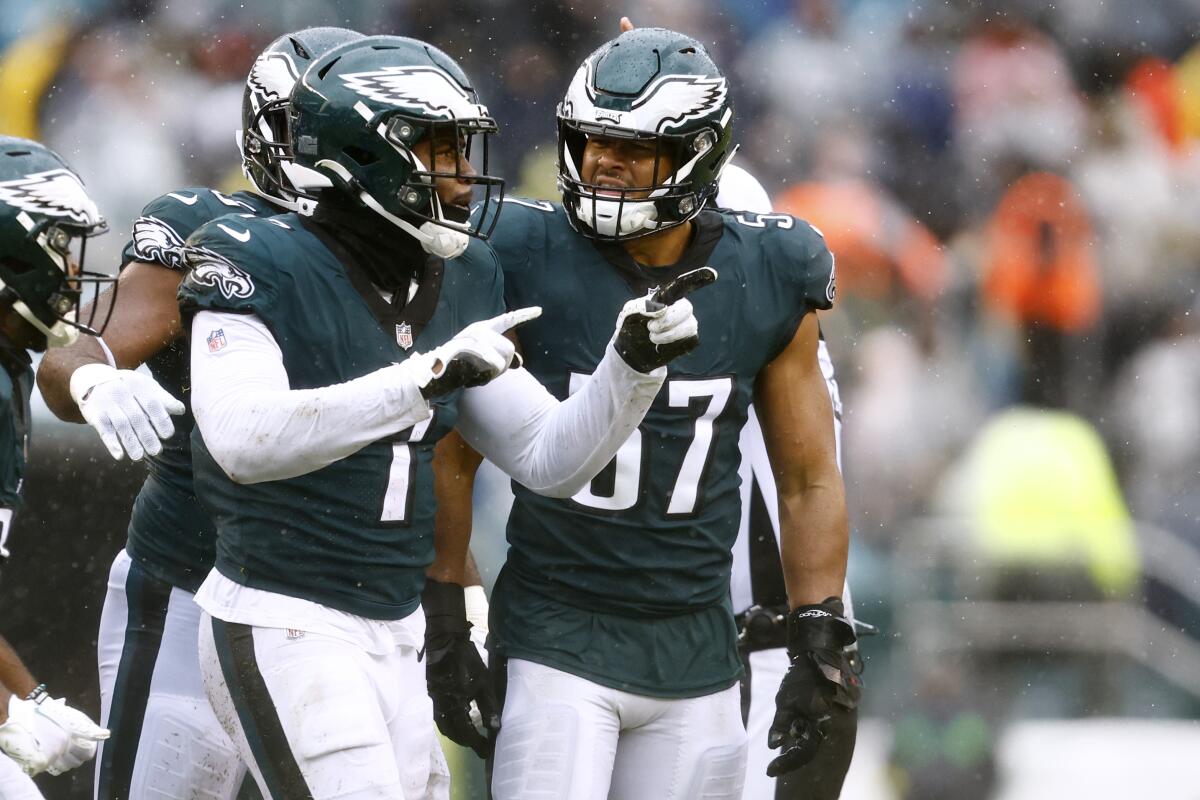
x=58 y=280
x=266 y=146
x=46 y=218
x=448 y=144
x=264 y=140
x=621 y=213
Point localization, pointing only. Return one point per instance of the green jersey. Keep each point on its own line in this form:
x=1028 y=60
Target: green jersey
x=356 y=535
x=16 y=385
x=627 y=583
x=170 y=535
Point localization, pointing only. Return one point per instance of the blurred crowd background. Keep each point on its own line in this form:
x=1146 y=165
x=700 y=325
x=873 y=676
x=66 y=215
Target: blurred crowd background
x=1012 y=191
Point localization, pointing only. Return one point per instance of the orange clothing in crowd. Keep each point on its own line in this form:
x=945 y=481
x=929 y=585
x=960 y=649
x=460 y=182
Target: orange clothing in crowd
x=1039 y=265
x=875 y=241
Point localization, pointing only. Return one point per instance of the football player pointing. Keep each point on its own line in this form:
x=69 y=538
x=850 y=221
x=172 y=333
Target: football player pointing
x=167 y=742
x=329 y=353
x=613 y=609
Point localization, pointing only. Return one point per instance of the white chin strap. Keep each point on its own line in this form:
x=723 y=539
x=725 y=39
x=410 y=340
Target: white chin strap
x=601 y=216
x=60 y=334
x=438 y=240
x=435 y=239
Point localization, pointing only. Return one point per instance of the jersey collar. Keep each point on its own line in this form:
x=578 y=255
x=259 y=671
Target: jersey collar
x=709 y=227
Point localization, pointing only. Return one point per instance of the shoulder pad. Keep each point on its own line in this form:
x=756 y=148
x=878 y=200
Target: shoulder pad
x=796 y=253
x=231 y=263
x=169 y=219
x=522 y=229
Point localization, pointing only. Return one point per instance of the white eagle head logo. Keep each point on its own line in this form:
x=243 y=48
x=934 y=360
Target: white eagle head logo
x=429 y=91
x=156 y=242
x=56 y=193
x=209 y=268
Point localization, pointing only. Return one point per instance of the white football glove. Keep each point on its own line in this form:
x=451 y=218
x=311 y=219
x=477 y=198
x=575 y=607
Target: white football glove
x=476 y=355
x=48 y=735
x=477 y=615
x=129 y=410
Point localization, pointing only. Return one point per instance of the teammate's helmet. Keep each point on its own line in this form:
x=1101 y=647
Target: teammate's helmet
x=44 y=214
x=263 y=139
x=649 y=84
x=356 y=114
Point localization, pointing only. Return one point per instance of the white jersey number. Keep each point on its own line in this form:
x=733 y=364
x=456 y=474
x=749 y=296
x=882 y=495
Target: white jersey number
x=397 y=499
x=627 y=480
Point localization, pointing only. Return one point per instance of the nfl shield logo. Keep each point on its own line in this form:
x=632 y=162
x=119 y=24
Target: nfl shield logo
x=216 y=340
x=404 y=335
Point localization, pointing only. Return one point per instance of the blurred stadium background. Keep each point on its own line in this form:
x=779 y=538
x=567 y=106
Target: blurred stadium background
x=1013 y=193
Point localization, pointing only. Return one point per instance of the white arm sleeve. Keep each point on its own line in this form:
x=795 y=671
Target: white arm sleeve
x=554 y=448
x=258 y=429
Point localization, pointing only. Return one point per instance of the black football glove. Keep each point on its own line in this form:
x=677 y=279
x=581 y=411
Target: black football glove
x=454 y=672
x=655 y=329
x=819 y=676
x=477 y=354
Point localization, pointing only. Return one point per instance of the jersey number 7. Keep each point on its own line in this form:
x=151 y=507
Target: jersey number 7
x=627 y=483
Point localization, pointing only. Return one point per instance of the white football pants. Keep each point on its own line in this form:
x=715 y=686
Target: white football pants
x=318 y=717
x=166 y=743
x=566 y=738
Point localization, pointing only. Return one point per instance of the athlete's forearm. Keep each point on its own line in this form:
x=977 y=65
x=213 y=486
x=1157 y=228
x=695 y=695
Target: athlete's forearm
x=142 y=318
x=55 y=370
x=814 y=541
x=258 y=429
x=454 y=466
x=13 y=673
x=796 y=412
x=555 y=448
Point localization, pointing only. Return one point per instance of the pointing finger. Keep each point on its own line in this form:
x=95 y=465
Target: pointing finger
x=685 y=284
x=512 y=319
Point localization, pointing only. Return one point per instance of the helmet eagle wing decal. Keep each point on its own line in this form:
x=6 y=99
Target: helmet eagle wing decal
x=674 y=99
x=56 y=193
x=428 y=89
x=273 y=76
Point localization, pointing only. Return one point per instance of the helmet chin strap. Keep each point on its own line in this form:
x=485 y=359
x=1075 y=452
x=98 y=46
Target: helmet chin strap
x=601 y=215
x=60 y=334
x=435 y=239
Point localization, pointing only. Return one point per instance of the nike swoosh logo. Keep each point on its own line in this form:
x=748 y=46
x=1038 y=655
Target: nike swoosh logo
x=187 y=200
x=243 y=236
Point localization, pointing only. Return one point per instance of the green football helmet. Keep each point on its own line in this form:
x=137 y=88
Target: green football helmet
x=44 y=214
x=263 y=139
x=356 y=114
x=652 y=85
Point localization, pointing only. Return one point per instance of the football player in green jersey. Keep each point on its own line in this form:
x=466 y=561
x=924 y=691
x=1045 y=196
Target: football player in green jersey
x=330 y=351
x=613 y=609
x=45 y=214
x=167 y=741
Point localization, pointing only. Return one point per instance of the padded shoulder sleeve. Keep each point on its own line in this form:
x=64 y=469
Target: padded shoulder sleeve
x=167 y=221
x=232 y=265
x=802 y=265
x=520 y=234
x=485 y=282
